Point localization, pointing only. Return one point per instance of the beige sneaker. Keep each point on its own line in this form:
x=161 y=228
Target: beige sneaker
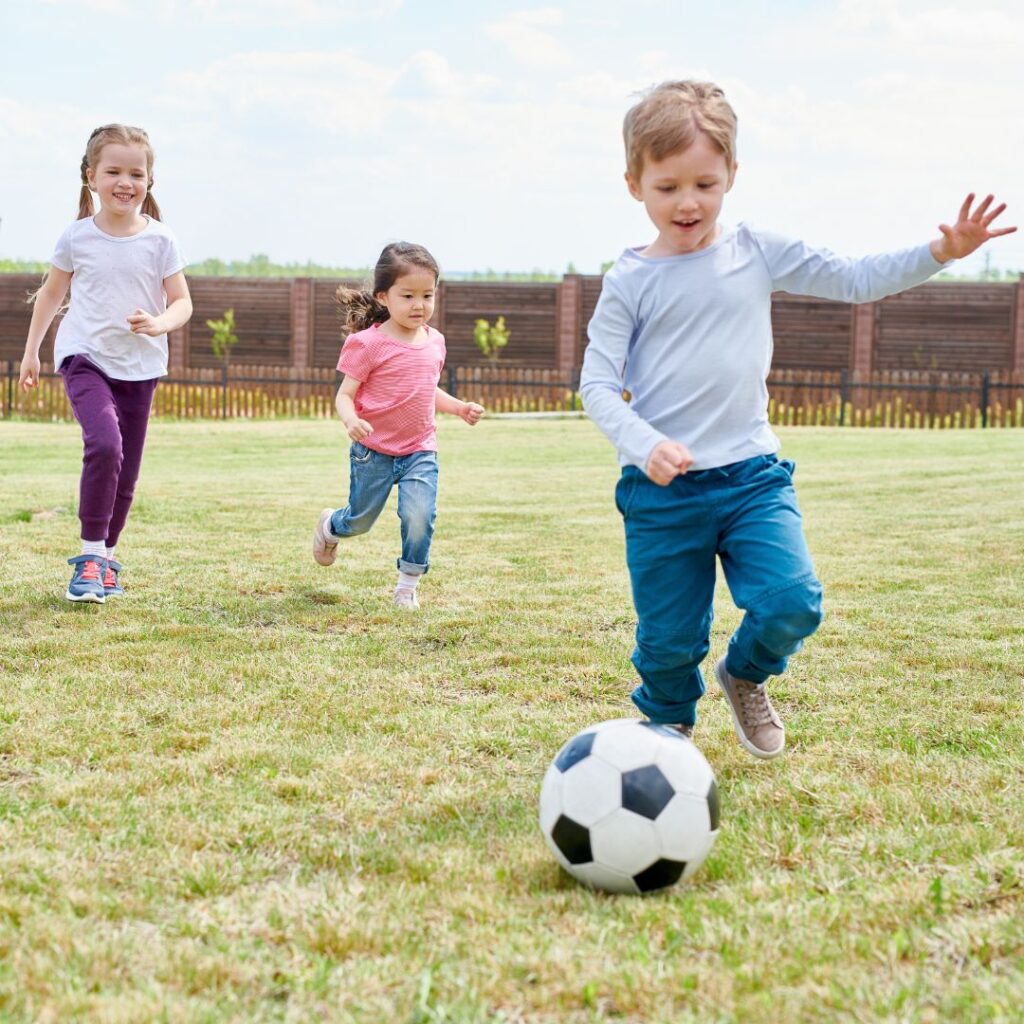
x=758 y=727
x=406 y=599
x=325 y=547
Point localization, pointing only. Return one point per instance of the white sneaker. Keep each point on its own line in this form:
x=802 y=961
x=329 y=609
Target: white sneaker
x=406 y=599
x=325 y=546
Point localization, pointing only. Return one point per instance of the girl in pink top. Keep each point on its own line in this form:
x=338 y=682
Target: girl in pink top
x=392 y=364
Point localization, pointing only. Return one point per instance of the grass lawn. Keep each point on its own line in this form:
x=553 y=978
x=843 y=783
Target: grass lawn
x=252 y=791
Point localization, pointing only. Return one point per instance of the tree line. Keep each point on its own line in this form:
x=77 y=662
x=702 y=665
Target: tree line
x=261 y=265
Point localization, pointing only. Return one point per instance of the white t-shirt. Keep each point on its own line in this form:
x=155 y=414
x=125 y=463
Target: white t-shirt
x=112 y=278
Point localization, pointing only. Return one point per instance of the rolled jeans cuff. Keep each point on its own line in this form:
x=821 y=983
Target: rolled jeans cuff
x=680 y=713
x=411 y=568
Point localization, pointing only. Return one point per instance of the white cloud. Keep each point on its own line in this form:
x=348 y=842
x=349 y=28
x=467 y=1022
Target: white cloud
x=522 y=33
x=300 y=150
x=243 y=12
x=921 y=27
x=334 y=90
x=289 y=11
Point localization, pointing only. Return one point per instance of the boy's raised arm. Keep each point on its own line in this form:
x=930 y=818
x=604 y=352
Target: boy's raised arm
x=802 y=270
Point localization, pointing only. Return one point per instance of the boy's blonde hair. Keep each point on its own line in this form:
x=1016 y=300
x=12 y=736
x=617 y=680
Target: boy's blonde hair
x=668 y=119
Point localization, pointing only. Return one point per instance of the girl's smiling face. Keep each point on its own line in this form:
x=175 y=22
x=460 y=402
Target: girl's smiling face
x=410 y=300
x=120 y=178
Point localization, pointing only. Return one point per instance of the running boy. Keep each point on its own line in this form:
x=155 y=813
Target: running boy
x=684 y=325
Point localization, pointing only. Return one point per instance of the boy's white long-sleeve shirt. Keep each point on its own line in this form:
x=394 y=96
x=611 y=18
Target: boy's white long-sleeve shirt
x=690 y=338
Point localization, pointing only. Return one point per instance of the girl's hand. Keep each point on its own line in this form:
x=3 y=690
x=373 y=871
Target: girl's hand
x=471 y=412
x=29 y=373
x=970 y=230
x=145 y=323
x=668 y=460
x=358 y=429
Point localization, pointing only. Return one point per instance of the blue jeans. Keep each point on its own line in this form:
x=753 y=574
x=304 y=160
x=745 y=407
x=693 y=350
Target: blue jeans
x=371 y=479
x=745 y=513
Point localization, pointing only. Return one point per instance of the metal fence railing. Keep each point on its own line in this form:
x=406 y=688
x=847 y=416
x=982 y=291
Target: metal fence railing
x=891 y=398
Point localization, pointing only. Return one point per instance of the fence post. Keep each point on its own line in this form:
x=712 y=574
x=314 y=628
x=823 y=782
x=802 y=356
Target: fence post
x=843 y=394
x=985 y=382
x=223 y=391
x=451 y=382
x=574 y=386
x=9 y=408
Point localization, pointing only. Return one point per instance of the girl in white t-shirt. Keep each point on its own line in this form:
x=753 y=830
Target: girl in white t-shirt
x=128 y=290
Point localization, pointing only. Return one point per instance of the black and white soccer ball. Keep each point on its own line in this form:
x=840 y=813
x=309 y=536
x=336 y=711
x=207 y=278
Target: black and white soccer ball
x=629 y=806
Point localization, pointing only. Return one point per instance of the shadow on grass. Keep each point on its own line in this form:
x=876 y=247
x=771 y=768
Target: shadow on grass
x=320 y=597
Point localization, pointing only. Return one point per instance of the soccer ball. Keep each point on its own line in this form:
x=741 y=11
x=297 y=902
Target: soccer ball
x=629 y=806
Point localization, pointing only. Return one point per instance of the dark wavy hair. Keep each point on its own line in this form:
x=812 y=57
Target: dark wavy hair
x=360 y=307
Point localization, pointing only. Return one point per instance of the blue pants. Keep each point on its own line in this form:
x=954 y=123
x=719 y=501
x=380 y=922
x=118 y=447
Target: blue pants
x=745 y=513
x=371 y=479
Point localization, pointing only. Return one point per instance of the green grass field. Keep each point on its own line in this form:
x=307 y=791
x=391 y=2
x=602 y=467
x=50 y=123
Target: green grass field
x=253 y=791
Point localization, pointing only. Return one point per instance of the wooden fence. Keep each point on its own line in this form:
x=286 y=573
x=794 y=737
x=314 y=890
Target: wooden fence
x=942 y=326
x=889 y=399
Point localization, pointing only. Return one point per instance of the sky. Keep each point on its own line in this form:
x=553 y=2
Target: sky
x=491 y=132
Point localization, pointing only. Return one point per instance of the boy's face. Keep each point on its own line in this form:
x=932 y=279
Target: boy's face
x=683 y=196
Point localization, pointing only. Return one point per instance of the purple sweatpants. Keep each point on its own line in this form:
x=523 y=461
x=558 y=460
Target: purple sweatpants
x=113 y=415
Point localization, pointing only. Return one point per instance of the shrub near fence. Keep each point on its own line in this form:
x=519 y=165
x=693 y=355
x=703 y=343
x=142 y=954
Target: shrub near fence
x=893 y=399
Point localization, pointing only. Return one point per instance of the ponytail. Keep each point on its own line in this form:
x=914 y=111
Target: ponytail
x=359 y=309
x=85 y=207
x=149 y=206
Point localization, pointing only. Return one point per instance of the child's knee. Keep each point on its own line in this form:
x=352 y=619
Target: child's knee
x=105 y=450
x=418 y=521
x=360 y=524
x=791 y=615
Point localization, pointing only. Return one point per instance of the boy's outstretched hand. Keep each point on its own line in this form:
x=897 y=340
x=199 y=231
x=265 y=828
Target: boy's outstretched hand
x=668 y=460
x=970 y=231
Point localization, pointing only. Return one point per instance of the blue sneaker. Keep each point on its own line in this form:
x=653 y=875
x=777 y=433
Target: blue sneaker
x=111 y=583
x=87 y=581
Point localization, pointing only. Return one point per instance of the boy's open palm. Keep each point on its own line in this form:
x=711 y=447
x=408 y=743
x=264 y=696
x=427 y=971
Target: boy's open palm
x=970 y=231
